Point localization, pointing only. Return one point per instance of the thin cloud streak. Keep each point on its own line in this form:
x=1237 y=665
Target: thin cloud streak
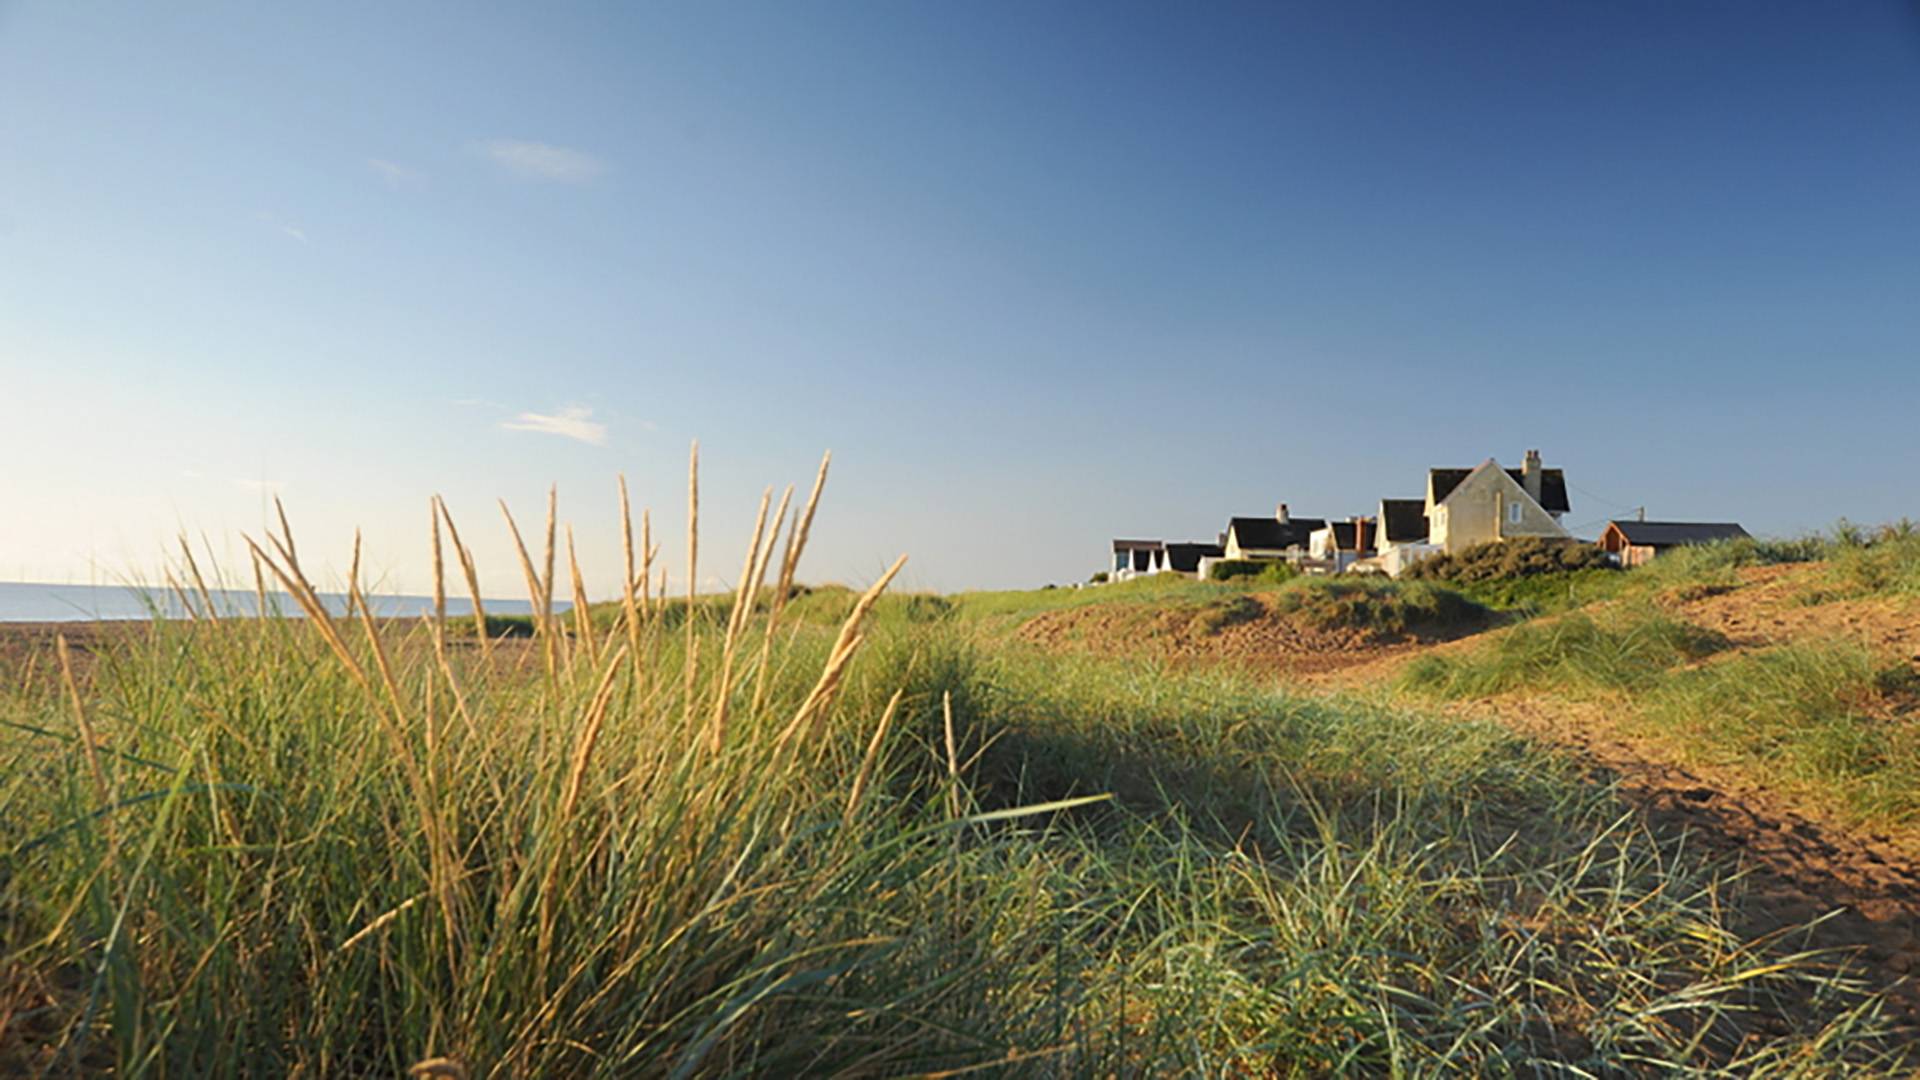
x=571 y=423
x=542 y=161
x=397 y=176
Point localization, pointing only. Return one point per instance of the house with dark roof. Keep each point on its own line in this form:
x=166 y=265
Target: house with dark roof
x=1281 y=536
x=1488 y=503
x=1402 y=534
x=1184 y=558
x=1134 y=557
x=1343 y=543
x=1632 y=543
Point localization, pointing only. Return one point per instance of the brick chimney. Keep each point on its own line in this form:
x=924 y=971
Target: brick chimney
x=1359 y=535
x=1530 y=471
x=1280 y=514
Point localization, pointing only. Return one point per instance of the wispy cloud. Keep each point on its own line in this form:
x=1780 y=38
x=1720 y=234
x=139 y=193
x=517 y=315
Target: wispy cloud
x=571 y=423
x=285 y=228
x=397 y=176
x=541 y=161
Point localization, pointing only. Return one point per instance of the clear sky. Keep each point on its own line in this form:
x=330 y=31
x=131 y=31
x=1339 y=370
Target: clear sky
x=1039 y=274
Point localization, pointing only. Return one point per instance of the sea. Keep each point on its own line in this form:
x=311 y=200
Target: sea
x=26 y=601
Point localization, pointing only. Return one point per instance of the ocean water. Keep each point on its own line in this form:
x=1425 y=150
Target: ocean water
x=24 y=601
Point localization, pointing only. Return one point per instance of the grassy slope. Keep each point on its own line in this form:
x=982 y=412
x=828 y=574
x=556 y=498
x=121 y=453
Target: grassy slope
x=274 y=868
x=1827 y=719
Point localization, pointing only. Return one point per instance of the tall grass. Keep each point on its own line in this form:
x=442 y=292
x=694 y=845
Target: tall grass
x=1829 y=718
x=1621 y=650
x=752 y=842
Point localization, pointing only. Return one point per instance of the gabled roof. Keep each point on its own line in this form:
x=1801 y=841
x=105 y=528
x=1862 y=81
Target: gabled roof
x=1403 y=521
x=1553 y=486
x=1272 y=534
x=1186 y=557
x=1676 y=533
x=1343 y=539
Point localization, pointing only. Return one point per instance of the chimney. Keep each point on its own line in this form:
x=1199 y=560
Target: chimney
x=1280 y=514
x=1530 y=472
x=1359 y=535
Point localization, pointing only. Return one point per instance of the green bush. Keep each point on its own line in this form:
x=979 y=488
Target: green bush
x=1547 y=594
x=1381 y=607
x=1521 y=557
x=1260 y=570
x=1100 y=577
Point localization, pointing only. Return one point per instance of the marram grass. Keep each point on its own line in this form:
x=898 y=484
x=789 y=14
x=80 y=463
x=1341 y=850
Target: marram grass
x=741 y=843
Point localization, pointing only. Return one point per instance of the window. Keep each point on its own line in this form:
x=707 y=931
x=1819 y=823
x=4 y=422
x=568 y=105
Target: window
x=1514 y=513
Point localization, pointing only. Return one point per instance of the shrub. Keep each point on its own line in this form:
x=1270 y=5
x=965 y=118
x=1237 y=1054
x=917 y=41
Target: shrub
x=1100 y=577
x=1523 y=557
x=1383 y=608
x=1260 y=570
x=1547 y=594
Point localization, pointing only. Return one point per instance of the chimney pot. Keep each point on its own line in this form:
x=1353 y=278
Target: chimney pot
x=1280 y=514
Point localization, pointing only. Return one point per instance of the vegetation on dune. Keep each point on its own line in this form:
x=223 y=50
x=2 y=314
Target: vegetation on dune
x=1383 y=608
x=1621 y=650
x=808 y=832
x=1879 y=562
x=1508 y=559
x=1826 y=717
x=1264 y=571
x=1546 y=594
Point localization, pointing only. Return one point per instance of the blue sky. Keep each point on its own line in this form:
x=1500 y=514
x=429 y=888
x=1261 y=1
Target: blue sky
x=1038 y=274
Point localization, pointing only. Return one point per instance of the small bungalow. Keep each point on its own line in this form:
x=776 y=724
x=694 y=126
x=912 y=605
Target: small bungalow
x=1134 y=557
x=1342 y=543
x=1184 y=558
x=1633 y=543
x=1281 y=536
x=1465 y=507
x=1403 y=534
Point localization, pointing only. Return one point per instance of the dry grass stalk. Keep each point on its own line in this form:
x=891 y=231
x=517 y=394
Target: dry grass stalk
x=259 y=587
x=180 y=594
x=629 y=610
x=88 y=743
x=953 y=754
x=286 y=536
x=199 y=583
x=534 y=591
x=303 y=595
x=356 y=600
x=789 y=565
x=570 y=795
x=843 y=652
x=649 y=551
x=872 y=755
x=439 y=844
x=472 y=576
x=546 y=580
x=736 y=619
x=758 y=579
x=582 y=618
x=692 y=659
x=353 y=575
x=388 y=711
x=439 y=577
x=437 y=1068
